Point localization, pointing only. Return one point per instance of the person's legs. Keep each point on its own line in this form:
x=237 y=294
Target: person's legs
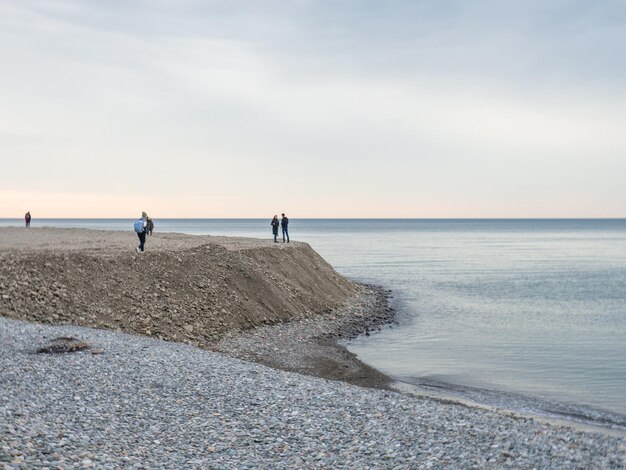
x=285 y=234
x=142 y=241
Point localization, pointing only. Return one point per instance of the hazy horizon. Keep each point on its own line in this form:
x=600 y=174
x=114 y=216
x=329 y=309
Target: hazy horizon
x=20 y=219
x=348 y=109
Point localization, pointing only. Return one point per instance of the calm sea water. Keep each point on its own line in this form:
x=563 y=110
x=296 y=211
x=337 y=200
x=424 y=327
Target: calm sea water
x=528 y=315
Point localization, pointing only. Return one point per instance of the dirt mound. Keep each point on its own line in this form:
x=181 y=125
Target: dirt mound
x=191 y=289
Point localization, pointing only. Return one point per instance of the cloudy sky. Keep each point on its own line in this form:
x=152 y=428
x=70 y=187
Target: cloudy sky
x=315 y=108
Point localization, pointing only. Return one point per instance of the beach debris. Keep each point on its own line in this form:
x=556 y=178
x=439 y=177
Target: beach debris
x=63 y=344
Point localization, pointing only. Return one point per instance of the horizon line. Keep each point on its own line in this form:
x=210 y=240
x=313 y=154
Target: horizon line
x=326 y=218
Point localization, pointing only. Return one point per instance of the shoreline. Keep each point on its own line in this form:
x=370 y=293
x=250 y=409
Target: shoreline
x=133 y=399
x=305 y=341
x=311 y=345
x=566 y=421
x=302 y=334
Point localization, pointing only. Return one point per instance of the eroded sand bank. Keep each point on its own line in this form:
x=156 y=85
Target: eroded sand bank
x=199 y=290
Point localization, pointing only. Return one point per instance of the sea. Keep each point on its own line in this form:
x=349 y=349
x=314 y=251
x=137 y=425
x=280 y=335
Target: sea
x=519 y=314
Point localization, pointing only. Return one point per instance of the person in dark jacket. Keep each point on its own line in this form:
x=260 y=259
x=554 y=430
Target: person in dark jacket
x=149 y=226
x=284 y=223
x=274 y=225
x=27 y=218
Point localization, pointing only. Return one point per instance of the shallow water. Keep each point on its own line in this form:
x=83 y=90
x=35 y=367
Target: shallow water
x=523 y=314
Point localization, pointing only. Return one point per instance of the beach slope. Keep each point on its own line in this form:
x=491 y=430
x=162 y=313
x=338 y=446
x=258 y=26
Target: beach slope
x=200 y=290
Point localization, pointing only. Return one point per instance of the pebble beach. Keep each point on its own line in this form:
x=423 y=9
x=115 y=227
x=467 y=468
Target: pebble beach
x=228 y=364
x=146 y=403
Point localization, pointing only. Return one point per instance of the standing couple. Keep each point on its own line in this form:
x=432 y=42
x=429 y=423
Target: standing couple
x=284 y=222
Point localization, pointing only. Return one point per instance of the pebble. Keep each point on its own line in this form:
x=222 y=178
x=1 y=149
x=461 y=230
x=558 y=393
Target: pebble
x=146 y=403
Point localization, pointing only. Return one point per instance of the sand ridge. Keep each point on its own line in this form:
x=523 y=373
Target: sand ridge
x=200 y=290
x=184 y=288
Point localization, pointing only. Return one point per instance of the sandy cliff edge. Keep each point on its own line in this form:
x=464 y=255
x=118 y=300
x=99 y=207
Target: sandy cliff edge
x=212 y=292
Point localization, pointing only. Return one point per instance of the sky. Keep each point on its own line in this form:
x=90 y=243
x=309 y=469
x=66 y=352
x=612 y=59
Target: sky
x=431 y=109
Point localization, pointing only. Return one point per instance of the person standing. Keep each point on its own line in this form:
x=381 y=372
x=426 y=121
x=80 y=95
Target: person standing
x=274 y=225
x=284 y=223
x=140 y=228
x=27 y=218
x=150 y=226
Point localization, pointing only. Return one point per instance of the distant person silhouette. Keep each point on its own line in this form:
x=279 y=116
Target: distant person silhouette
x=284 y=223
x=274 y=225
x=27 y=218
x=140 y=227
x=150 y=226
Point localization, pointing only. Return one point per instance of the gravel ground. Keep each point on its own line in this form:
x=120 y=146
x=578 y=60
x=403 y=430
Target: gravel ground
x=107 y=242
x=145 y=403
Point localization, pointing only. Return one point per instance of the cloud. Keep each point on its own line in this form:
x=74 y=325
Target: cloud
x=343 y=103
